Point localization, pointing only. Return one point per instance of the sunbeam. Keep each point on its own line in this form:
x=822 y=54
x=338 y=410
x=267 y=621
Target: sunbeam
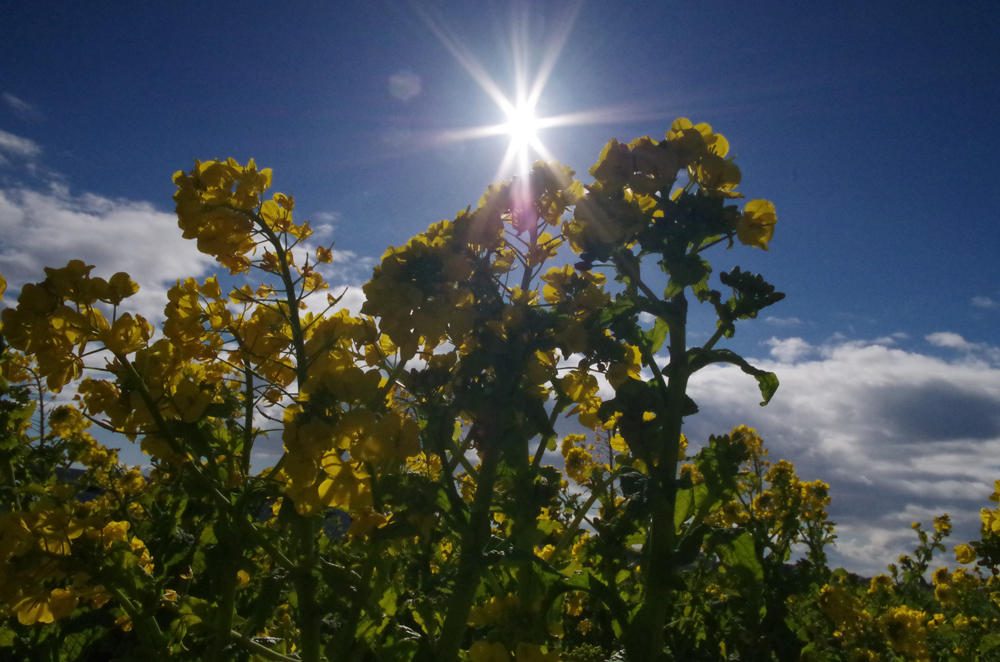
x=522 y=125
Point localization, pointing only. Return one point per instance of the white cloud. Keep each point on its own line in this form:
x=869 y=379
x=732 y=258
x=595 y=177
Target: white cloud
x=897 y=434
x=983 y=302
x=973 y=351
x=47 y=229
x=12 y=145
x=783 y=321
x=24 y=109
x=948 y=339
x=789 y=350
x=327 y=216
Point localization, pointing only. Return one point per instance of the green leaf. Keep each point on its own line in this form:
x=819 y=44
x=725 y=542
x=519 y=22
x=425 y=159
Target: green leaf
x=389 y=601
x=739 y=553
x=988 y=643
x=623 y=307
x=698 y=358
x=657 y=335
x=683 y=507
x=610 y=597
x=768 y=383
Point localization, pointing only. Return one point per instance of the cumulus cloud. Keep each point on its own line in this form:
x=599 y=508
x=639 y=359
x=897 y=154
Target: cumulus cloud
x=49 y=228
x=900 y=436
x=972 y=351
x=789 y=350
x=948 y=339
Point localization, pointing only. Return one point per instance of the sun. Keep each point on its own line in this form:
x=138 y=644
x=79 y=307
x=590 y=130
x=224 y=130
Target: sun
x=522 y=125
x=522 y=121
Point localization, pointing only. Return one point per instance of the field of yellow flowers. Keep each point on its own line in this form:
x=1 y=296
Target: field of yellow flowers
x=413 y=514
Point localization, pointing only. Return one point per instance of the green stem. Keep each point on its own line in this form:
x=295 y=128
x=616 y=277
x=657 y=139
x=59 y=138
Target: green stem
x=644 y=639
x=470 y=565
x=543 y=444
x=714 y=339
x=248 y=415
x=567 y=536
x=227 y=602
x=147 y=628
x=309 y=615
x=260 y=649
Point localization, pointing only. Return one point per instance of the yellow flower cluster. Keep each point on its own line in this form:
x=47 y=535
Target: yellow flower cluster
x=906 y=631
x=40 y=550
x=494 y=611
x=579 y=463
x=634 y=179
x=991 y=517
x=190 y=309
x=844 y=609
x=215 y=206
x=581 y=387
x=416 y=291
x=55 y=320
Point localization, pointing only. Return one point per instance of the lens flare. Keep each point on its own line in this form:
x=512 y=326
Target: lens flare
x=523 y=123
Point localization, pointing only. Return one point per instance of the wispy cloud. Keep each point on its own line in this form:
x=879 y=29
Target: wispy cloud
x=983 y=302
x=21 y=107
x=783 y=321
x=16 y=146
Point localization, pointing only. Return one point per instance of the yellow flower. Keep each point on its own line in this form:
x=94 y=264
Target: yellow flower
x=544 y=552
x=579 y=464
x=755 y=226
x=124 y=622
x=942 y=524
x=533 y=653
x=881 y=583
x=42 y=608
x=905 y=631
x=964 y=554
x=364 y=521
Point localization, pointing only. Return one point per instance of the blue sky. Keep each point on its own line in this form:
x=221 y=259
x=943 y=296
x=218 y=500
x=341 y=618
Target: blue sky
x=871 y=126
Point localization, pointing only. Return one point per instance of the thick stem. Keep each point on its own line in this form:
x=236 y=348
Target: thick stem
x=470 y=565
x=309 y=615
x=644 y=639
x=248 y=436
x=227 y=603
